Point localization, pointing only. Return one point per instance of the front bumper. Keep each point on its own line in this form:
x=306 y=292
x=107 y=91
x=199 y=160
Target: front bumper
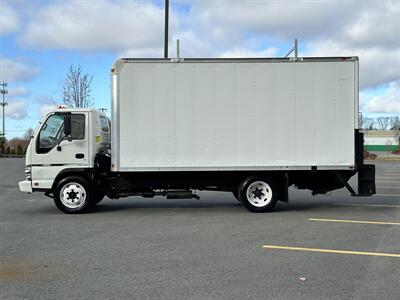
x=25 y=186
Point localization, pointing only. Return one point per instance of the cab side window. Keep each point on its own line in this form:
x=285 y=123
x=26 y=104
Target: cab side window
x=78 y=126
x=104 y=124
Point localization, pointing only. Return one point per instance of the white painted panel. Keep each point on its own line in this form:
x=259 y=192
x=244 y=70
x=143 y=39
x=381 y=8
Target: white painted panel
x=381 y=140
x=306 y=114
x=285 y=148
x=227 y=115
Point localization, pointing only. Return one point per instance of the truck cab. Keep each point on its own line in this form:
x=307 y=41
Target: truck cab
x=65 y=142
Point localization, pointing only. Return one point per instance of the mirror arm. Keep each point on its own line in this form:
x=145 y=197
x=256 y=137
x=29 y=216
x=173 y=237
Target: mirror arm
x=67 y=137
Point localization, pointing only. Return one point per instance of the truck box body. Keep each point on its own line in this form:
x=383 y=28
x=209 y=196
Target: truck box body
x=234 y=114
x=250 y=127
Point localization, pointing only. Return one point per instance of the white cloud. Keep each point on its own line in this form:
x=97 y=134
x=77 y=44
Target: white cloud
x=353 y=21
x=16 y=110
x=376 y=25
x=242 y=52
x=142 y=52
x=96 y=25
x=45 y=109
x=274 y=19
x=377 y=65
x=9 y=21
x=17 y=92
x=388 y=102
x=16 y=70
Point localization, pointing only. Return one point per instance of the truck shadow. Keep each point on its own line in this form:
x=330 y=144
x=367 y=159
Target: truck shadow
x=233 y=206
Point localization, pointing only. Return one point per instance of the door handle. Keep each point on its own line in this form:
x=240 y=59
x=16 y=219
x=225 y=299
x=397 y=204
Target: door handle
x=79 y=155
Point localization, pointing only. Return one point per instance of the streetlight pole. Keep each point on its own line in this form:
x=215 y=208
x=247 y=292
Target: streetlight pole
x=166 y=17
x=3 y=91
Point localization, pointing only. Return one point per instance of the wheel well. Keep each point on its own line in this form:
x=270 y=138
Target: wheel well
x=281 y=181
x=86 y=174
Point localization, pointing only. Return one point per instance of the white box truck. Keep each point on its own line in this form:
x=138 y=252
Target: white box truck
x=251 y=127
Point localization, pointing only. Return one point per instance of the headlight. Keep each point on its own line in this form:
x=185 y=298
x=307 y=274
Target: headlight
x=28 y=173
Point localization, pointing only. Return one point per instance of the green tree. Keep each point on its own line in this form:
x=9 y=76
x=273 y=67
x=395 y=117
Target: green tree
x=3 y=142
x=20 y=151
x=13 y=151
x=8 y=151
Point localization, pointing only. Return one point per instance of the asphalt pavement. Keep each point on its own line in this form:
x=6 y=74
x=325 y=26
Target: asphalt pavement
x=321 y=247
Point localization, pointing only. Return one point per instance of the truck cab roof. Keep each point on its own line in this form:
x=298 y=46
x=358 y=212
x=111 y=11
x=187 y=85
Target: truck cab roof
x=76 y=110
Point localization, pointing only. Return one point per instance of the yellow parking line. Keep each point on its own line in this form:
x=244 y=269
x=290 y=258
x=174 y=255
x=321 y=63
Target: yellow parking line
x=388 y=187
x=331 y=251
x=354 y=221
x=368 y=205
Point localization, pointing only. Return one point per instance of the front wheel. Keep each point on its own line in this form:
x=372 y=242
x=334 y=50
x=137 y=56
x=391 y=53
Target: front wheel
x=258 y=194
x=73 y=195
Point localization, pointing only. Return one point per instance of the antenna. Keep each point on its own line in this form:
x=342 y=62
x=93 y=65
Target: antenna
x=295 y=47
x=177 y=50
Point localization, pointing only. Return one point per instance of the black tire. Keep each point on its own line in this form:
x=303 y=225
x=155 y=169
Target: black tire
x=261 y=197
x=81 y=190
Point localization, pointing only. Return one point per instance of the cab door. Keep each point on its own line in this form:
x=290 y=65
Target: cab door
x=54 y=151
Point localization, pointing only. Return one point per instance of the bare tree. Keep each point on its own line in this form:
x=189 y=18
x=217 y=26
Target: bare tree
x=394 y=123
x=383 y=122
x=77 y=88
x=368 y=123
x=28 y=134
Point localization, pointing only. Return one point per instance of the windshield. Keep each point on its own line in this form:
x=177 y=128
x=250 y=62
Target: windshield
x=51 y=133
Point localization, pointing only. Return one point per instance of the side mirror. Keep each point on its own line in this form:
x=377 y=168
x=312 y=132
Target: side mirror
x=67 y=125
x=67 y=137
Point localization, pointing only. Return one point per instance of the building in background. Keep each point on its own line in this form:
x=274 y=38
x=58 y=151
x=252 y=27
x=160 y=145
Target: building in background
x=381 y=140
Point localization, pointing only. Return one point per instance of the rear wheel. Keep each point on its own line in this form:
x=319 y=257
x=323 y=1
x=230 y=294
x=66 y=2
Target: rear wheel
x=73 y=195
x=258 y=194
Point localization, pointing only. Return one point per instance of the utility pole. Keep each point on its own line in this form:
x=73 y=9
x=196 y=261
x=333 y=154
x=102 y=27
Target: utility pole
x=3 y=91
x=166 y=29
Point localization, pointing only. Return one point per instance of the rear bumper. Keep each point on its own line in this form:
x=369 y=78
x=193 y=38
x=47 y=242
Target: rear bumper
x=25 y=186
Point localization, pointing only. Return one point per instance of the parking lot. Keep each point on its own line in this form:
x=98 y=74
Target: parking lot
x=322 y=247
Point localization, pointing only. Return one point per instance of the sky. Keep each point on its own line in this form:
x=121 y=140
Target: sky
x=39 y=40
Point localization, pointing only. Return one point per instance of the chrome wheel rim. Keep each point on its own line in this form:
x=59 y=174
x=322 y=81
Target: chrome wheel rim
x=259 y=193
x=73 y=195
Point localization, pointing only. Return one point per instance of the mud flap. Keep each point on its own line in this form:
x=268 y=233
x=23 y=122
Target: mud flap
x=366 y=180
x=284 y=188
